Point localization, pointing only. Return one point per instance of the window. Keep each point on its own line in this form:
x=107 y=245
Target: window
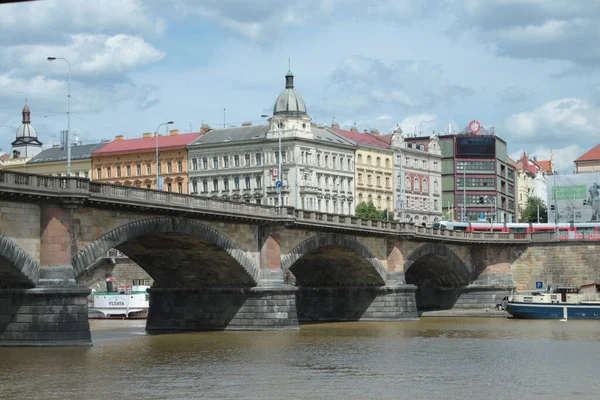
x=118 y=171
x=215 y=185
x=226 y=162
x=387 y=162
x=378 y=161
x=128 y=170
x=99 y=173
x=148 y=169
x=247 y=160
x=349 y=164
x=204 y=163
x=247 y=182
x=108 y=171
x=139 y=169
x=194 y=164
x=86 y=174
x=277 y=157
x=476 y=182
x=258 y=182
x=334 y=162
x=417 y=186
x=236 y=183
x=225 y=184
x=77 y=174
x=258 y=159
x=159 y=168
x=169 y=187
x=236 y=161
x=424 y=164
x=195 y=186
x=169 y=167
x=327 y=161
x=378 y=181
x=368 y=180
x=387 y=182
x=359 y=159
x=179 y=187
x=425 y=187
x=204 y=185
x=407 y=183
x=360 y=179
x=179 y=166
x=435 y=187
x=319 y=160
x=215 y=162
x=368 y=160
x=474 y=165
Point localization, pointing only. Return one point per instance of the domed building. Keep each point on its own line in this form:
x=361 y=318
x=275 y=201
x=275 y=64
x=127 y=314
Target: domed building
x=242 y=163
x=26 y=145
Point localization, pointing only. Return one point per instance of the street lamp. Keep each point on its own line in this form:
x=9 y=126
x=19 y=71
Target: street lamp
x=68 y=140
x=492 y=219
x=166 y=124
x=279 y=174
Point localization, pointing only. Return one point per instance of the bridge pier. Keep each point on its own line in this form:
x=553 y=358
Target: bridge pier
x=266 y=307
x=55 y=313
x=386 y=303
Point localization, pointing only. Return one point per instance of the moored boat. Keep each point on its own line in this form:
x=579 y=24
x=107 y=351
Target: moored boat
x=127 y=302
x=560 y=303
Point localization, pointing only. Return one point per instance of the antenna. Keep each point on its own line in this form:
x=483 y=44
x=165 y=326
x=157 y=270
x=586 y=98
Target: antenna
x=224 y=117
x=289 y=64
x=190 y=127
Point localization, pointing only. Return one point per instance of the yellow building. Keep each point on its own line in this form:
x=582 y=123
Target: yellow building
x=373 y=169
x=133 y=162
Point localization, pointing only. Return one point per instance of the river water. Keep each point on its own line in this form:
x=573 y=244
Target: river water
x=434 y=358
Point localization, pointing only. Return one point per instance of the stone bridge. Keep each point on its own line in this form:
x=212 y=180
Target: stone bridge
x=226 y=265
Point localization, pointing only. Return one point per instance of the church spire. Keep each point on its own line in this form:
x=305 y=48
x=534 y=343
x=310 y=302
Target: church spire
x=26 y=115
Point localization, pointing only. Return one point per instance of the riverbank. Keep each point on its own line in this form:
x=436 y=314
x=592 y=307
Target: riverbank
x=486 y=312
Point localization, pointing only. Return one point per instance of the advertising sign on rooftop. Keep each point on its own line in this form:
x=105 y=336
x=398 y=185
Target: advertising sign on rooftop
x=574 y=198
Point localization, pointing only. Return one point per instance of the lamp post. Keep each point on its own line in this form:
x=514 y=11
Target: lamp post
x=166 y=124
x=68 y=140
x=493 y=219
x=279 y=173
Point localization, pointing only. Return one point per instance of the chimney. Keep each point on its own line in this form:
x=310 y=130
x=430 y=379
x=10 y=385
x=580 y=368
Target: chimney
x=146 y=135
x=335 y=125
x=119 y=137
x=353 y=129
x=173 y=132
x=247 y=124
x=204 y=128
x=365 y=131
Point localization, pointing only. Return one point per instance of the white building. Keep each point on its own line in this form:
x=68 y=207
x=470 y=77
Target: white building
x=418 y=168
x=242 y=163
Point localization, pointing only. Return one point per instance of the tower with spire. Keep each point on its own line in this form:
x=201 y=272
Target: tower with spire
x=289 y=113
x=26 y=144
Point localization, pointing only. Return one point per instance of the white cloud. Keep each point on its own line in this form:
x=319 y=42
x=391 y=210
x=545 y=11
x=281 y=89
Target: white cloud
x=562 y=157
x=366 y=85
x=561 y=121
x=513 y=94
x=55 y=20
x=562 y=30
x=421 y=124
x=384 y=117
x=263 y=20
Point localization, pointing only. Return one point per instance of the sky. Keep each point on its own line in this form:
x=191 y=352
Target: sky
x=529 y=68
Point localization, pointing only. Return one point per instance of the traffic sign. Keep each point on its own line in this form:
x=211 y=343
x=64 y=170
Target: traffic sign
x=539 y=285
x=278 y=184
x=275 y=172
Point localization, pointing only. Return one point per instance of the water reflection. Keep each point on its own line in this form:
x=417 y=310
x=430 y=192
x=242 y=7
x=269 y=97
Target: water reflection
x=465 y=358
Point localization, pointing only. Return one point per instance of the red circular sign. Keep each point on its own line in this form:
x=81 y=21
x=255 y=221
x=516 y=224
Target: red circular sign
x=474 y=126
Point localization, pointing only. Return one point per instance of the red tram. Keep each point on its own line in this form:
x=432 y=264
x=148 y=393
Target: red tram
x=566 y=230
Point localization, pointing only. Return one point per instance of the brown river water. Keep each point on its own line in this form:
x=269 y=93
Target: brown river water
x=434 y=358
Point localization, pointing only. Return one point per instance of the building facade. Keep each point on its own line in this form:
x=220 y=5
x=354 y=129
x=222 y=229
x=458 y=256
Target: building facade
x=134 y=162
x=417 y=172
x=25 y=146
x=589 y=161
x=478 y=182
x=531 y=181
x=374 y=172
x=317 y=164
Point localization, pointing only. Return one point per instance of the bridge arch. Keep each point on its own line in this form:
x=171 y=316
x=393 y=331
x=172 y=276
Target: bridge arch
x=436 y=265
x=17 y=268
x=334 y=260
x=176 y=252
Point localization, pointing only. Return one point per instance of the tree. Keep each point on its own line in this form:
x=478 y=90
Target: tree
x=530 y=213
x=368 y=210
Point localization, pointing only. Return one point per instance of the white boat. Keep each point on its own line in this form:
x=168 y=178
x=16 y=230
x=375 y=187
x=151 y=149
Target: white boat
x=128 y=302
x=562 y=303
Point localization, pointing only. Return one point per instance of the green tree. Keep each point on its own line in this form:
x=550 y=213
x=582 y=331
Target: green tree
x=368 y=210
x=531 y=210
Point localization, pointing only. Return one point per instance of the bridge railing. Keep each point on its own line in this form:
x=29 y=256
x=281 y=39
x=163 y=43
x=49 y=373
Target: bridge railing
x=108 y=192
x=54 y=184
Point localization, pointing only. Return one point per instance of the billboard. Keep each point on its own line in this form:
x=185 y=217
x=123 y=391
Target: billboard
x=574 y=198
x=475 y=146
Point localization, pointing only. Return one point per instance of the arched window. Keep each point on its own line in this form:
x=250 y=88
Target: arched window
x=435 y=186
x=387 y=162
x=425 y=187
x=407 y=183
x=378 y=161
x=368 y=160
x=360 y=158
x=416 y=188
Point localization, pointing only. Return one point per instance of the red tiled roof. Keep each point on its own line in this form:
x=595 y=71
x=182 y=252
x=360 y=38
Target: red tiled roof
x=143 y=144
x=363 y=138
x=546 y=165
x=591 y=155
